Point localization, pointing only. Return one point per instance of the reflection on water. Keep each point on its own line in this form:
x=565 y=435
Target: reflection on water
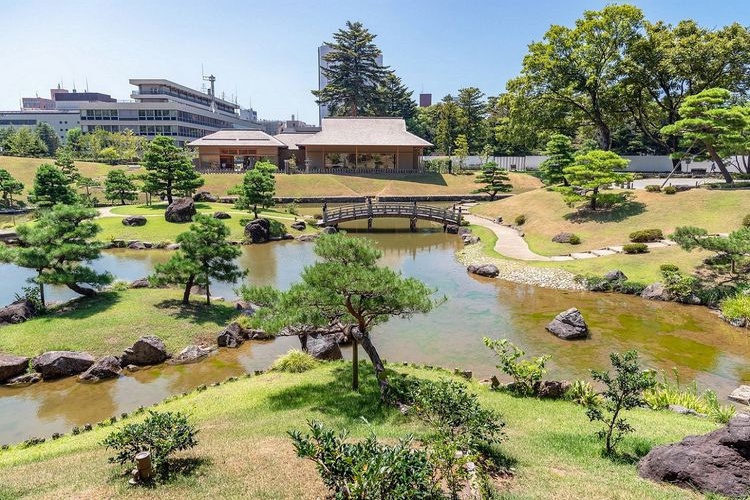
x=691 y=339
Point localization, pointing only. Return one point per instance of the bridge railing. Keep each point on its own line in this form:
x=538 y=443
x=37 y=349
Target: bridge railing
x=370 y=210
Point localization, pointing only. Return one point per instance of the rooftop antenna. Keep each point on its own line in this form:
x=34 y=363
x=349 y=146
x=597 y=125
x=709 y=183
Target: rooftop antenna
x=87 y=84
x=212 y=79
x=74 y=85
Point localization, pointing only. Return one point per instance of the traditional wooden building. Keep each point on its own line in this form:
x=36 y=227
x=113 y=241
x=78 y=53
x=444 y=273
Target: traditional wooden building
x=236 y=149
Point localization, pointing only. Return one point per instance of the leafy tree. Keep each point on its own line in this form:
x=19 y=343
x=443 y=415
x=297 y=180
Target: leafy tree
x=472 y=112
x=494 y=180
x=51 y=187
x=345 y=287
x=57 y=245
x=526 y=373
x=594 y=171
x=119 y=186
x=87 y=183
x=9 y=187
x=168 y=169
x=394 y=99
x=447 y=128
x=561 y=155
x=353 y=72
x=731 y=251
x=25 y=142
x=64 y=161
x=73 y=140
x=462 y=149
x=48 y=136
x=205 y=253
x=258 y=187
x=710 y=120
x=624 y=392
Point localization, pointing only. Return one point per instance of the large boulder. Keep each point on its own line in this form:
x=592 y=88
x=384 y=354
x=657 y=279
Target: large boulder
x=180 y=210
x=452 y=229
x=12 y=366
x=298 y=225
x=258 y=231
x=562 y=237
x=148 y=350
x=552 y=389
x=615 y=275
x=323 y=346
x=57 y=364
x=569 y=325
x=221 y=215
x=741 y=394
x=231 y=336
x=140 y=283
x=104 y=368
x=307 y=237
x=656 y=291
x=24 y=380
x=204 y=196
x=486 y=270
x=17 y=312
x=718 y=462
x=134 y=220
x=191 y=354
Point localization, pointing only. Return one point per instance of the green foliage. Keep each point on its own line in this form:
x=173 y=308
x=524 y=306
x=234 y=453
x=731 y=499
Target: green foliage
x=653 y=188
x=736 y=308
x=448 y=124
x=746 y=220
x=666 y=393
x=731 y=252
x=574 y=239
x=646 y=235
x=668 y=268
x=160 y=433
x=471 y=114
x=582 y=392
x=9 y=187
x=258 y=187
x=48 y=136
x=592 y=172
x=670 y=190
x=119 y=186
x=623 y=392
x=294 y=361
x=394 y=99
x=353 y=74
x=205 y=253
x=24 y=141
x=526 y=373
x=520 y=220
x=494 y=180
x=51 y=187
x=65 y=162
x=561 y=155
x=632 y=248
x=367 y=469
x=682 y=287
x=461 y=149
x=168 y=170
x=31 y=293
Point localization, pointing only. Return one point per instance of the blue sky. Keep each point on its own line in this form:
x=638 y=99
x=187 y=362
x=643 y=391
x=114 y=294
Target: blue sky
x=265 y=51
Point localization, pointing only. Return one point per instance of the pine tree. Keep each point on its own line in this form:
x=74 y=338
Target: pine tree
x=447 y=124
x=258 y=187
x=119 y=186
x=394 y=99
x=51 y=187
x=561 y=155
x=9 y=186
x=64 y=161
x=168 y=170
x=353 y=72
x=47 y=135
x=472 y=114
x=494 y=180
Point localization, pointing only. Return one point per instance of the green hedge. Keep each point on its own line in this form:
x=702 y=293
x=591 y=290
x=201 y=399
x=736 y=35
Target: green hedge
x=632 y=248
x=646 y=235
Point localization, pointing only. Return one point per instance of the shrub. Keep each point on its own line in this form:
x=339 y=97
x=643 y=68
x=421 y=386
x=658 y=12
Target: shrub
x=575 y=240
x=520 y=220
x=624 y=392
x=120 y=285
x=526 y=373
x=367 y=469
x=746 y=220
x=646 y=235
x=668 y=268
x=670 y=190
x=295 y=361
x=736 y=308
x=653 y=188
x=667 y=392
x=630 y=287
x=292 y=208
x=682 y=287
x=276 y=228
x=582 y=393
x=32 y=294
x=161 y=433
x=632 y=248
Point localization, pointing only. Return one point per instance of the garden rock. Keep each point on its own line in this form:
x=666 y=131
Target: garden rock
x=741 y=394
x=329 y=230
x=245 y=307
x=104 y=368
x=684 y=411
x=656 y=291
x=486 y=270
x=323 y=346
x=173 y=246
x=569 y=325
x=552 y=389
x=137 y=245
x=298 y=225
x=140 y=283
x=148 y=350
x=222 y=215
x=718 y=462
x=191 y=354
x=17 y=312
x=231 y=336
x=24 y=380
x=469 y=239
x=307 y=237
x=615 y=275
x=204 y=196
x=451 y=229
x=134 y=220
x=56 y=364
x=12 y=366
x=258 y=231
x=180 y=210
x=562 y=237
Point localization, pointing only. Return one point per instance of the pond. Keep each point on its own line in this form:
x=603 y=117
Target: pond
x=690 y=339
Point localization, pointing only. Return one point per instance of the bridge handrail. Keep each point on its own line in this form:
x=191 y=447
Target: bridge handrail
x=367 y=210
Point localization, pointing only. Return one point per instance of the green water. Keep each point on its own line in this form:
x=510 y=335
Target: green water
x=691 y=339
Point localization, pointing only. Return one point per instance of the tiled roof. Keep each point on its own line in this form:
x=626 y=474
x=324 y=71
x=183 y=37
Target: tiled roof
x=364 y=131
x=238 y=137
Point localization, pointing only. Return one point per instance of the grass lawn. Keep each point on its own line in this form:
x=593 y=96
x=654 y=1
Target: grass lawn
x=112 y=321
x=244 y=452
x=547 y=214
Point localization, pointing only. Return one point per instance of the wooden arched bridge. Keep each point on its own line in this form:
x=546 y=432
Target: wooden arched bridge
x=369 y=211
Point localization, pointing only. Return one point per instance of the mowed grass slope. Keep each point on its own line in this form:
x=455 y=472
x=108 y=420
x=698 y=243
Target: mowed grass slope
x=112 y=321
x=244 y=452
x=547 y=215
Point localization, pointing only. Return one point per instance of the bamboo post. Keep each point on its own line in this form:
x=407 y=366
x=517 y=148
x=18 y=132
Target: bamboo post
x=143 y=464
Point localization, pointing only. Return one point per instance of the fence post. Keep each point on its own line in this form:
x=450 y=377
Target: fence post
x=459 y=215
x=325 y=213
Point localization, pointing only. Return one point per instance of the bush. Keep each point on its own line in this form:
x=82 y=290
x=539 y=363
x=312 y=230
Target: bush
x=294 y=361
x=292 y=208
x=367 y=469
x=120 y=286
x=276 y=228
x=575 y=240
x=653 y=188
x=32 y=294
x=632 y=248
x=668 y=268
x=161 y=433
x=736 y=308
x=630 y=287
x=582 y=393
x=680 y=286
x=646 y=235
x=667 y=393
x=526 y=373
x=670 y=190
x=746 y=220
x=520 y=220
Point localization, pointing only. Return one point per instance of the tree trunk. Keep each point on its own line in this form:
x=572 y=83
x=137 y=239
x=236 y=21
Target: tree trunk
x=355 y=365
x=372 y=353
x=82 y=290
x=720 y=163
x=255 y=210
x=188 y=286
x=594 y=194
x=41 y=293
x=208 y=292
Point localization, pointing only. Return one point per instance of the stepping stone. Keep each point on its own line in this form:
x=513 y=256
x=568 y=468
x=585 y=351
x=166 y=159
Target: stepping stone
x=561 y=258
x=603 y=252
x=656 y=244
x=583 y=255
x=616 y=249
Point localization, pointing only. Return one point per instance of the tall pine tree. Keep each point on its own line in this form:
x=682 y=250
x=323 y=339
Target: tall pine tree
x=494 y=180
x=168 y=170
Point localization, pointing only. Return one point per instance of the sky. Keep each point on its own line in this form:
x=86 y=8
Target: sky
x=265 y=52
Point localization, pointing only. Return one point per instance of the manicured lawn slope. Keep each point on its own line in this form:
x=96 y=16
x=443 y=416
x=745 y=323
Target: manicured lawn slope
x=112 y=321
x=244 y=451
x=547 y=214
